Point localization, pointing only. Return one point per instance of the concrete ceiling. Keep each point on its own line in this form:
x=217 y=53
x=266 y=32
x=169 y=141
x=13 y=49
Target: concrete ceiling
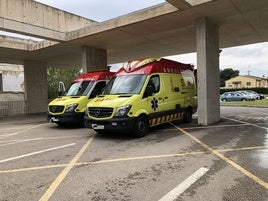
x=145 y=34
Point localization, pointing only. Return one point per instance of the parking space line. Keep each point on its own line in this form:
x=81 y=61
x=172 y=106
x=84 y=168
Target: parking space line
x=48 y=138
x=227 y=160
x=32 y=168
x=246 y=123
x=243 y=149
x=64 y=173
x=22 y=122
x=22 y=131
x=35 y=153
x=216 y=126
x=20 y=141
x=262 y=113
x=168 y=155
x=178 y=190
x=131 y=159
x=102 y=161
x=143 y=157
x=10 y=134
x=17 y=127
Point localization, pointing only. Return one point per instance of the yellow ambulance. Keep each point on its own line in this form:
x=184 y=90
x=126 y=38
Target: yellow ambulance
x=144 y=93
x=69 y=108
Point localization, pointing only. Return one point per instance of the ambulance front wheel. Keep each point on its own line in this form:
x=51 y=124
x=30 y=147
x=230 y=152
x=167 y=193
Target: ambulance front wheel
x=141 y=126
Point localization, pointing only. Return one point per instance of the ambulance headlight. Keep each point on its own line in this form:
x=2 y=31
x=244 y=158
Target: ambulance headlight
x=71 y=108
x=122 y=111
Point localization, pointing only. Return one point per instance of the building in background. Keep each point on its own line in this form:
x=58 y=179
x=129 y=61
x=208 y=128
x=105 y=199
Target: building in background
x=246 y=81
x=11 y=89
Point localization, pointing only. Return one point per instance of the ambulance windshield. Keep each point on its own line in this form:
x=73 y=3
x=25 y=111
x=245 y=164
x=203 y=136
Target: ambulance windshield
x=80 y=88
x=125 y=84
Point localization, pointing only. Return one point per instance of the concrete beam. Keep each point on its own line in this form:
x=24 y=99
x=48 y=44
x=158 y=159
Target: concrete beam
x=24 y=44
x=32 y=18
x=125 y=20
x=93 y=59
x=180 y=4
x=184 y=4
x=16 y=43
x=208 y=72
x=30 y=30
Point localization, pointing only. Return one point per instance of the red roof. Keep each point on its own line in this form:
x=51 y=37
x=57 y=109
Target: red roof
x=154 y=65
x=95 y=76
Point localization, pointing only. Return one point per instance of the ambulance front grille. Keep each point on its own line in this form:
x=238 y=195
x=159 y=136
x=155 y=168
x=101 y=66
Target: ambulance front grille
x=56 y=108
x=100 y=112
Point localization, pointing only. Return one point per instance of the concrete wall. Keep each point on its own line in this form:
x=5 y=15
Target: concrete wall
x=11 y=104
x=11 y=96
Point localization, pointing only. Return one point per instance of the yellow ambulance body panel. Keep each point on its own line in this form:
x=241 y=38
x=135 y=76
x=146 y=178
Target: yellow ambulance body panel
x=143 y=94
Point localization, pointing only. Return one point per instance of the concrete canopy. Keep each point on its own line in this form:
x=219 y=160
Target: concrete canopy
x=154 y=32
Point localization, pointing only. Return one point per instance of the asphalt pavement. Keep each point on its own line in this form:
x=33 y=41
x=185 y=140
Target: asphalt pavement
x=225 y=161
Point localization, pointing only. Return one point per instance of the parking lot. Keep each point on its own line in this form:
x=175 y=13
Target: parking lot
x=225 y=161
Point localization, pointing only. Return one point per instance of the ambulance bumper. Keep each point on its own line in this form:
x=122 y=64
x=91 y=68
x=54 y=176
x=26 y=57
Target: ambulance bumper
x=122 y=124
x=70 y=117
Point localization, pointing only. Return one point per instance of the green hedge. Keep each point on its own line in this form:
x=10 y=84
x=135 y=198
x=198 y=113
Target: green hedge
x=260 y=90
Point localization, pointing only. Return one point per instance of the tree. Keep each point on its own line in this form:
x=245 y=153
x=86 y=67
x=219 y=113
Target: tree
x=227 y=74
x=54 y=75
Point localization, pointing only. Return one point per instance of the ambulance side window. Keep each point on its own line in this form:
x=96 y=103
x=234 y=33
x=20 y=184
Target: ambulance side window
x=153 y=86
x=156 y=83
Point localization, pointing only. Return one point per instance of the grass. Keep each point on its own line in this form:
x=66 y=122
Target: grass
x=256 y=103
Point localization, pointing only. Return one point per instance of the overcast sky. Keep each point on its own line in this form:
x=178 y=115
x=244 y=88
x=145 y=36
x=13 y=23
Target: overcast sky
x=250 y=59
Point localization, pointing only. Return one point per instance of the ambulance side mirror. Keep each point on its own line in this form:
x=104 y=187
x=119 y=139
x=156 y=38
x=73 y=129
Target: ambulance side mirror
x=61 y=88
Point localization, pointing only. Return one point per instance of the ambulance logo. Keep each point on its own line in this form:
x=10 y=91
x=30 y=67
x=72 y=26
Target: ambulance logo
x=154 y=104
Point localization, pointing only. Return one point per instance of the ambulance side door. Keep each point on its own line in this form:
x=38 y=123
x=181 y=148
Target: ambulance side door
x=156 y=98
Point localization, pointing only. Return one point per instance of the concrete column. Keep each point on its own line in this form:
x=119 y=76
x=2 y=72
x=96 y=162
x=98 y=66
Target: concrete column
x=93 y=59
x=208 y=72
x=35 y=83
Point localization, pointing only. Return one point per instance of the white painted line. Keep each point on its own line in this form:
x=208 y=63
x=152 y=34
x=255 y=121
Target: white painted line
x=9 y=134
x=20 y=141
x=38 y=152
x=19 y=132
x=174 y=193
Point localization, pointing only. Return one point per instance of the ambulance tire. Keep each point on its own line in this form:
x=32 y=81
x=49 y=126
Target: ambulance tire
x=141 y=127
x=188 y=116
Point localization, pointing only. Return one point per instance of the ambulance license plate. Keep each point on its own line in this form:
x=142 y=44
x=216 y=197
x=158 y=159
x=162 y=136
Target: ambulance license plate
x=96 y=126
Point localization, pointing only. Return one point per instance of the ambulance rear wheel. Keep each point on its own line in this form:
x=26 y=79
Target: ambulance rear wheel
x=141 y=127
x=188 y=116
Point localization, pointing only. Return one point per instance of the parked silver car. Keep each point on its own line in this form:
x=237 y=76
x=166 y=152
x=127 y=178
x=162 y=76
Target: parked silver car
x=235 y=96
x=253 y=96
x=258 y=96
